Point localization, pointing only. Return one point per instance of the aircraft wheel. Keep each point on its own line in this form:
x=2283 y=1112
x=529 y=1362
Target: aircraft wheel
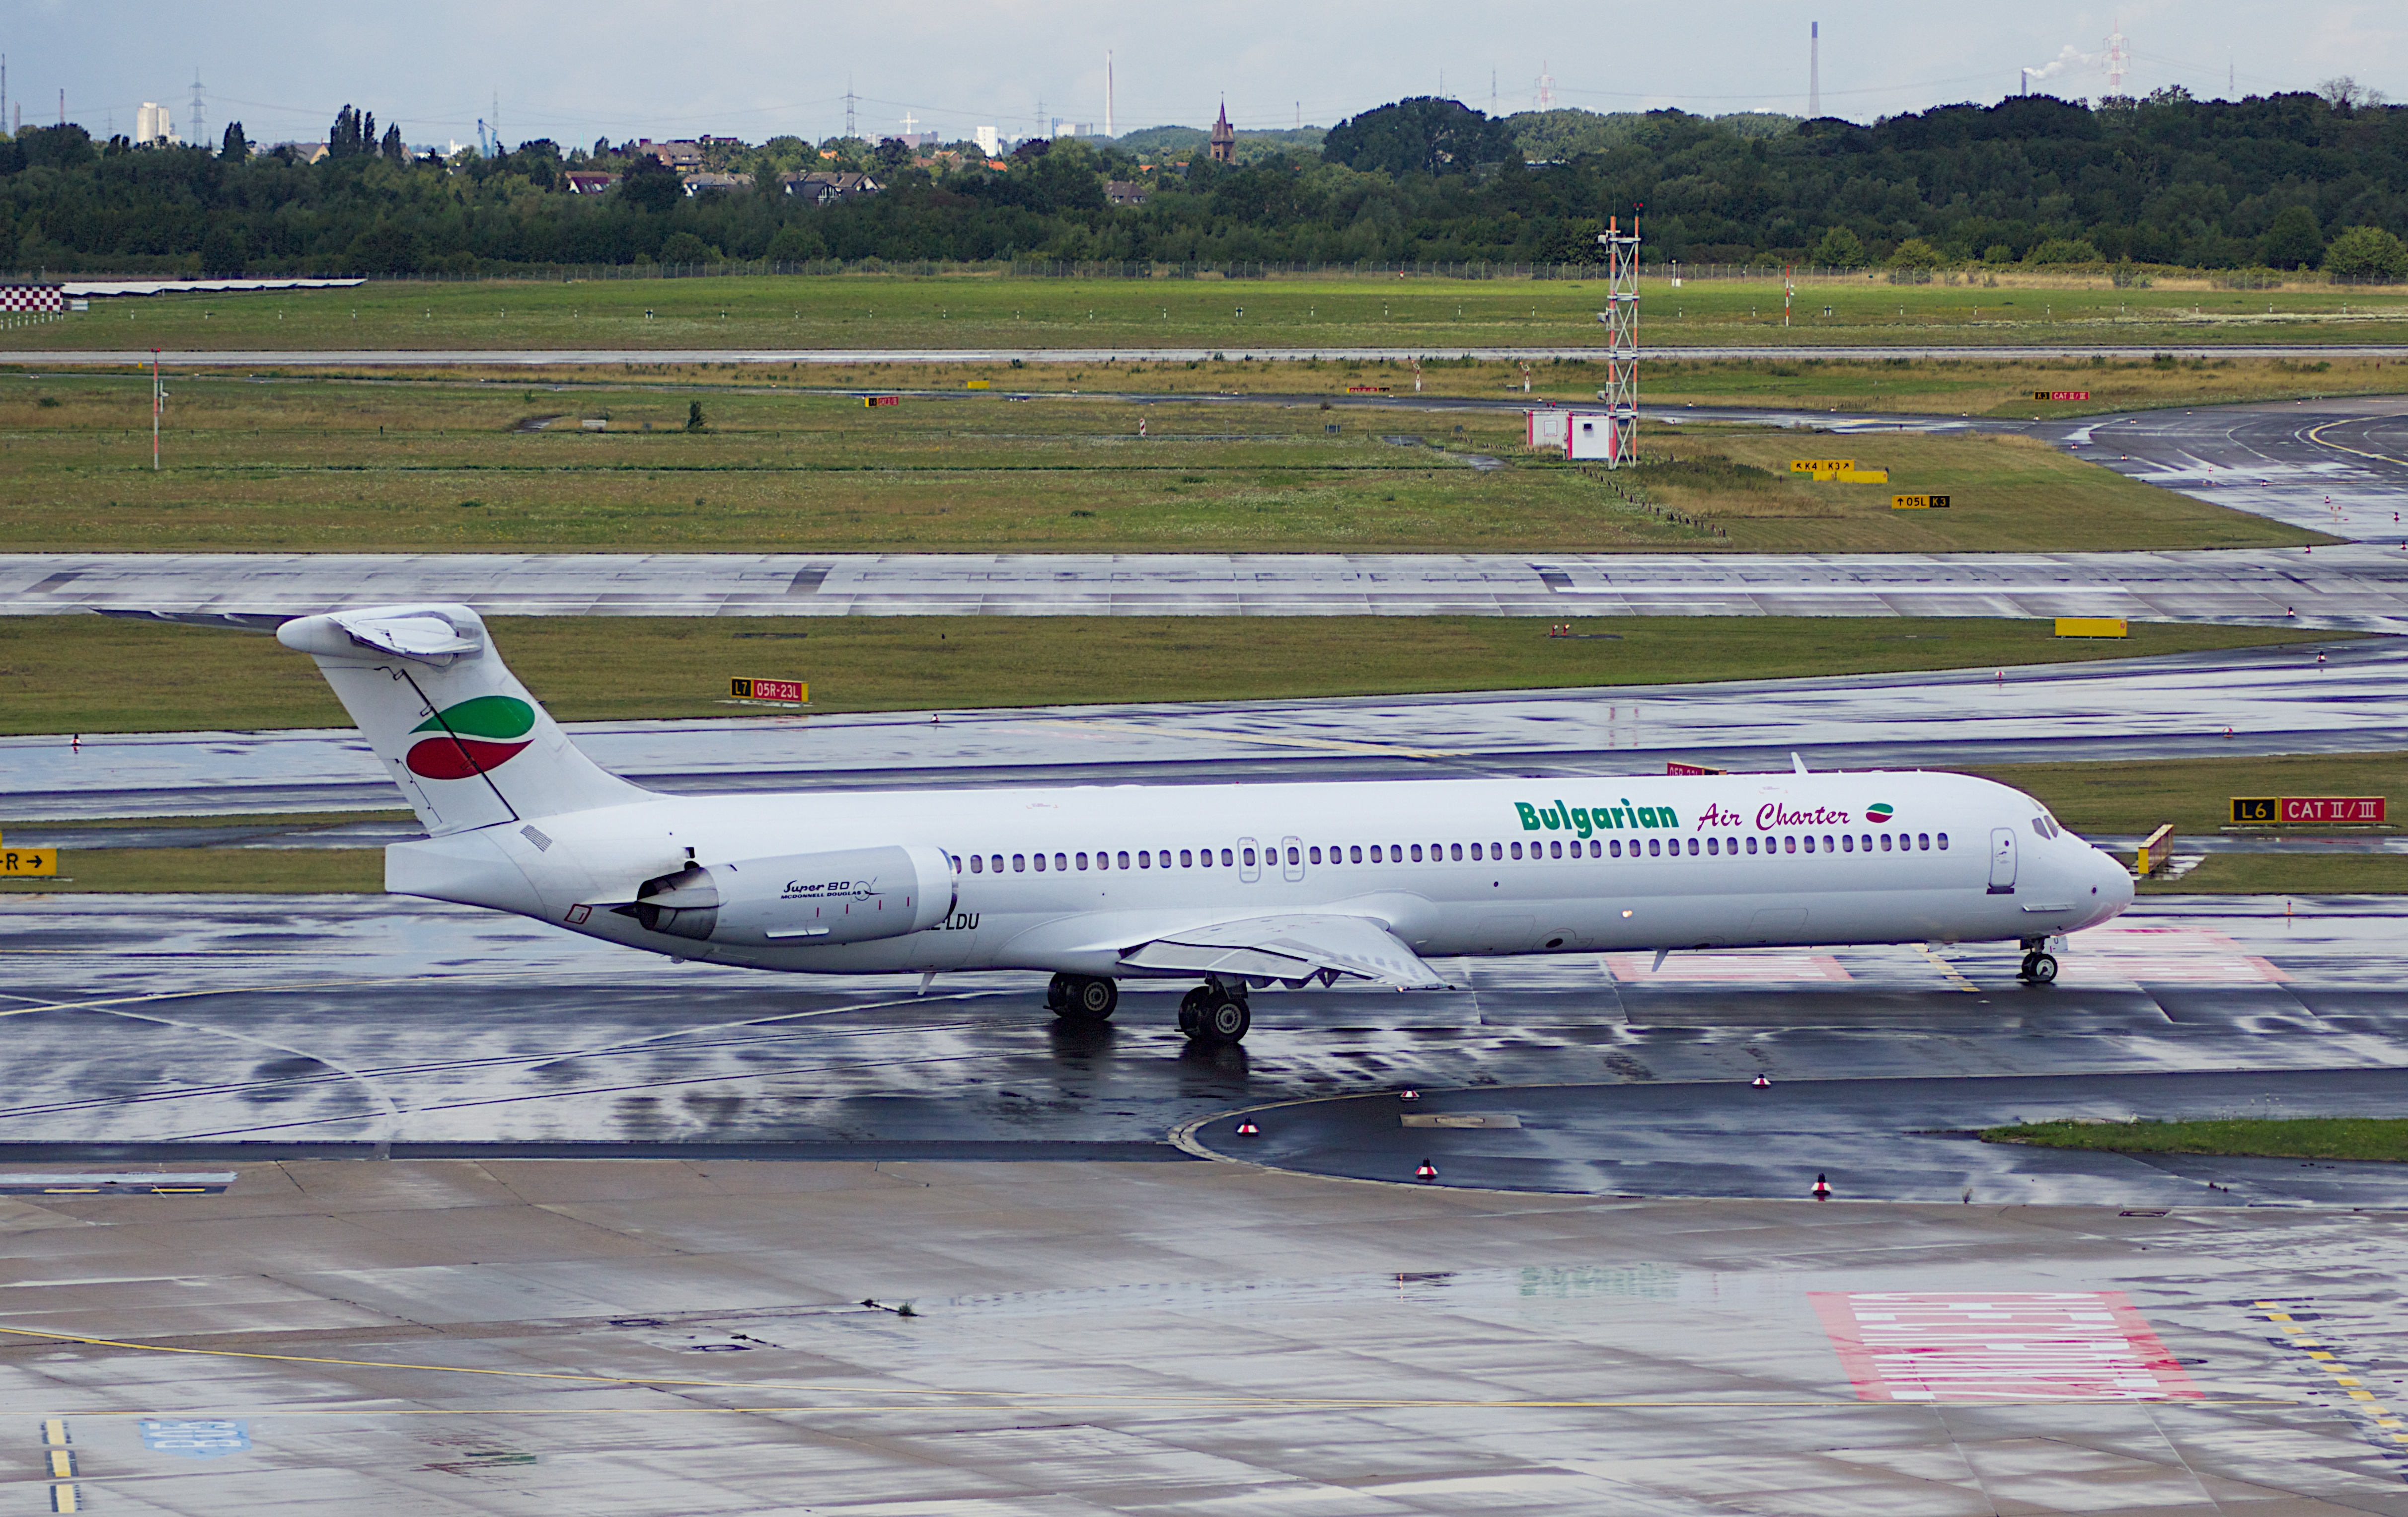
x=1224 y=1023
x=1057 y=993
x=1192 y=1007
x=1087 y=1001
x=2041 y=968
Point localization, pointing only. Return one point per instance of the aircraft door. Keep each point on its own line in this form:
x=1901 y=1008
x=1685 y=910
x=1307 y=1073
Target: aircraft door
x=1248 y=870
x=1293 y=850
x=2002 y=861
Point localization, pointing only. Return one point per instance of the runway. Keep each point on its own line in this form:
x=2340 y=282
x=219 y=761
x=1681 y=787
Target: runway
x=2270 y=700
x=614 y=357
x=2361 y=586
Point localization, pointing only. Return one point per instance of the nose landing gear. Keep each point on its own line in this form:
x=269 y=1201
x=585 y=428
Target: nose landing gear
x=2039 y=965
x=1079 y=998
x=1214 y=1014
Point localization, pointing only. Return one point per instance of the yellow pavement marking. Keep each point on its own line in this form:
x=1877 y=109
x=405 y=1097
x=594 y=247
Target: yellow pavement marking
x=54 y=1432
x=2315 y=435
x=1955 y=977
x=63 y=1463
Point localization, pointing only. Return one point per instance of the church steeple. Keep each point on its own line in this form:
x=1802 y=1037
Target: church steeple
x=1224 y=146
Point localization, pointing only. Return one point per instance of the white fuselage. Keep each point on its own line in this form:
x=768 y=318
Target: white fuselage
x=1450 y=866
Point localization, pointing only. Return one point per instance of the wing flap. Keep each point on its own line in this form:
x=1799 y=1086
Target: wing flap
x=1289 y=947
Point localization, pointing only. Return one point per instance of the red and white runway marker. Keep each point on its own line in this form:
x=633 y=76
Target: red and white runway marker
x=2119 y=955
x=2014 y=1346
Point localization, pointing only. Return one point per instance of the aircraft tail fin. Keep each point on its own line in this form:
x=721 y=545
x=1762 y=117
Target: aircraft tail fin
x=449 y=722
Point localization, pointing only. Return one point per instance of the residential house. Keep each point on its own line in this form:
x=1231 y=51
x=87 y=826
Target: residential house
x=681 y=156
x=1126 y=191
x=588 y=182
x=825 y=187
x=697 y=184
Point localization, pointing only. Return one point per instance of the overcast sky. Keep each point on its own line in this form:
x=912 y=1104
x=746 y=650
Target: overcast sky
x=607 y=68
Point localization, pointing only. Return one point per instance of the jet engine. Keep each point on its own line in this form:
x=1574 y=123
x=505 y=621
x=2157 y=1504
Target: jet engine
x=801 y=900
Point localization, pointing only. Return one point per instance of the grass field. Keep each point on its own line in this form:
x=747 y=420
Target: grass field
x=2379 y=1138
x=1425 y=315
x=364 y=465
x=2196 y=795
x=2289 y=874
x=278 y=871
x=593 y=669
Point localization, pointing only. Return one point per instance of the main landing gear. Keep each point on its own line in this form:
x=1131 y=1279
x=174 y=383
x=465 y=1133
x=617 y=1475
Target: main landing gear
x=2039 y=965
x=1215 y=1013
x=1077 y=998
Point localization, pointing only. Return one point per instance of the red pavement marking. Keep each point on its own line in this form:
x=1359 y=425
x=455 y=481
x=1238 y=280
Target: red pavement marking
x=2011 y=1346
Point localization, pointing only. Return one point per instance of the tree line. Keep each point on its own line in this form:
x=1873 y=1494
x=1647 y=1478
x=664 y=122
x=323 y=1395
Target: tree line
x=2288 y=181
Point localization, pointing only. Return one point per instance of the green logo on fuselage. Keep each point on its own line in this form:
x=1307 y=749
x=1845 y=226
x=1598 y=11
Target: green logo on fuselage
x=1586 y=819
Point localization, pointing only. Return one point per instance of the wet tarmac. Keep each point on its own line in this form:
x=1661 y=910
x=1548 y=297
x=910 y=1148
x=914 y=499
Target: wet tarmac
x=380 y=1021
x=2276 y=700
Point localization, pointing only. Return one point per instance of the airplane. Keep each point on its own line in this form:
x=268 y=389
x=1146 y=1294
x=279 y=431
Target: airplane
x=1240 y=887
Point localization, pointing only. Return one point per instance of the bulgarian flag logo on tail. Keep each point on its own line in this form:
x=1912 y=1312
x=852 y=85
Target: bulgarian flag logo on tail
x=1878 y=812
x=471 y=738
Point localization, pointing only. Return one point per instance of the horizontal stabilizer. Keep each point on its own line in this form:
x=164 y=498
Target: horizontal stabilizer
x=1289 y=947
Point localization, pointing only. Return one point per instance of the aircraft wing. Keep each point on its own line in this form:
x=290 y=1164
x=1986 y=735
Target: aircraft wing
x=1289 y=947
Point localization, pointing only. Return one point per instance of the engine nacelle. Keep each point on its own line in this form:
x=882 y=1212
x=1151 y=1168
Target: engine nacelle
x=801 y=900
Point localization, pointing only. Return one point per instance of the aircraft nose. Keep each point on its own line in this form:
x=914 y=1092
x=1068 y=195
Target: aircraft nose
x=2113 y=882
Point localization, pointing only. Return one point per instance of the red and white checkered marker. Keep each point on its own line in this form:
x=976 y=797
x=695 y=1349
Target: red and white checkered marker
x=1428 y=1171
x=1248 y=1129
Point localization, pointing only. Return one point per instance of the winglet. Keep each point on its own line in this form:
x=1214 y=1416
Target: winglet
x=1661 y=954
x=1797 y=764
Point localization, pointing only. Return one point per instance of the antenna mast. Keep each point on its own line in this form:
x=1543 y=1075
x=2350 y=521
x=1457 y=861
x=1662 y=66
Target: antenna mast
x=2119 y=61
x=1621 y=319
x=1814 y=70
x=1108 y=93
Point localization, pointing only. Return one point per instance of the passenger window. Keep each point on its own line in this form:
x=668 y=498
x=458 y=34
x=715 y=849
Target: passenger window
x=1458 y=850
x=1751 y=845
x=1654 y=847
x=1789 y=845
x=1099 y=861
x=1713 y=845
x=1556 y=849
x=1614 y=848
x=1847 y=843
x=1040 y=864
x=1810 y=843
x=1376 y=856
x=1313 y=854
x=998 y=864
x=1145 y=860
x=1295 y=855
x=1943 y=840
x=1885 y=838
x=1123 y=861
x=1923 y=842
x=1475 y=851
x=1020 y=862
x=1517 y=850
x=1250 y=858
x=1186 y=860
x=1417 y=852
x=1354 y=853
x=977 y=864
x=1227 y=858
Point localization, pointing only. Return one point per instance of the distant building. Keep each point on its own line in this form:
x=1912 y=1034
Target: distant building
x=303 y=152
x=825 y=187
x=1126 y=191
x=1223 y=148
x=990 y=141
x=1073 y=129
x=588 y=182
x=152 y=126
x=708 y=183
x=679 y=155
